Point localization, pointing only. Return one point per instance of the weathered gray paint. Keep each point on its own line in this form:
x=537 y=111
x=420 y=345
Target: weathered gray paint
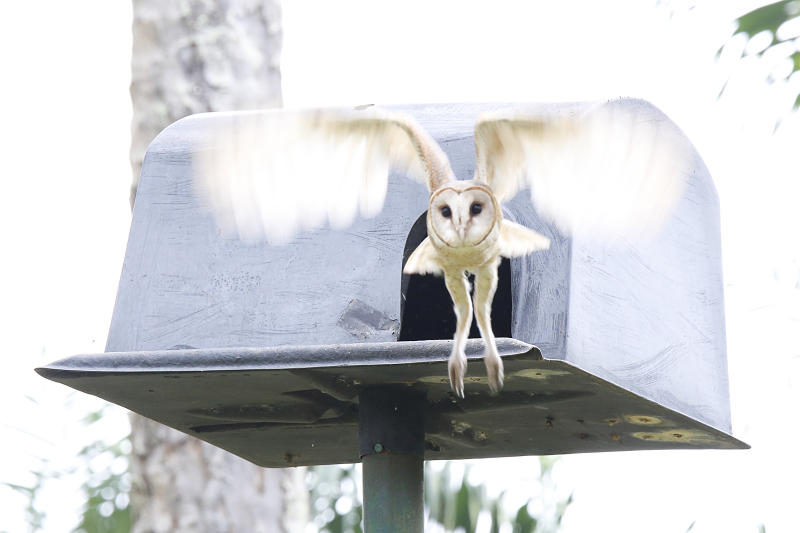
x=648 y=316
x=300 y=405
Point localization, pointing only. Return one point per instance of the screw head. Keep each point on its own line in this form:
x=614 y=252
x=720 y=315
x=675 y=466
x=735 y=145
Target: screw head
x=378 y=447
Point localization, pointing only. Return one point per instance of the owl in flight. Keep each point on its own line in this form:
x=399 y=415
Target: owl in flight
x=613 y=171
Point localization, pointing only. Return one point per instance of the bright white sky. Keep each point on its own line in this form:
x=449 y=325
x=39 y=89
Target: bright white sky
x=65 y=133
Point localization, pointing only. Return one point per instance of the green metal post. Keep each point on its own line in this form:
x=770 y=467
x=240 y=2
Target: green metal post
x=392 y=442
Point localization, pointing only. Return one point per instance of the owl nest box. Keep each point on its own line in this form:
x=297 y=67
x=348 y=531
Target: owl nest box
x=265 y=350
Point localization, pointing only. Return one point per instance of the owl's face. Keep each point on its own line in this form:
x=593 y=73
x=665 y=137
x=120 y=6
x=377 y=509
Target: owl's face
x=463 y=213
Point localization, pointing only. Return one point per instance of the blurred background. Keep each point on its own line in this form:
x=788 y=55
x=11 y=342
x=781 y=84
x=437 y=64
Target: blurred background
x=731 y=83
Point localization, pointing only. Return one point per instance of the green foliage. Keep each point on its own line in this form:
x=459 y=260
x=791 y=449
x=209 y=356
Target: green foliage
x=451 y=501
x=103 y=467
x=456 y=504
x=107 y=489
x=34 y=515
x=768 y=19
x=523 y=521
x=333 y=494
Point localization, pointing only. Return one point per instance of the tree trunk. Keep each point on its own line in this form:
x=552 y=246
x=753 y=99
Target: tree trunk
x=191 y=56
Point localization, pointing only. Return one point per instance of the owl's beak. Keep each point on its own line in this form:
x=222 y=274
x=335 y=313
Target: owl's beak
x=462 y=233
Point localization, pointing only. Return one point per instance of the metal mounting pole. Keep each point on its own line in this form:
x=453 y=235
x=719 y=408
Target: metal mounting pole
x=392 y=444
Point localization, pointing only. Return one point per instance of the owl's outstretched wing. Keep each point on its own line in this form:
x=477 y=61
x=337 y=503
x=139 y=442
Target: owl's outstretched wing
x=271 y=174
x=611 y=169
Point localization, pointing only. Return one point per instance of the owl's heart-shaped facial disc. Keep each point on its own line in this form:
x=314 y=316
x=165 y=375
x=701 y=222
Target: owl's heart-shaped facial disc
x=462 y=216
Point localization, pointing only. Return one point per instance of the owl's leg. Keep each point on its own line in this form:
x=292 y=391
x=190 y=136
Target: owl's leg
x=458 y=287
x=485 y=286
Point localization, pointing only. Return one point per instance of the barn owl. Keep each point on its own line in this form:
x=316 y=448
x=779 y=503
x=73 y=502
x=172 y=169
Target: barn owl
x=611 y=170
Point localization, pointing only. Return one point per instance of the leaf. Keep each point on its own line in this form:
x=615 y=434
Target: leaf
x=523 y=521
x=93 y=417
x=769 y=18
x=494 y=513
x=434 y=494
x=561 y=509
x=455 y=504
x=766 y=18
x=19 y=488
x=462 y=516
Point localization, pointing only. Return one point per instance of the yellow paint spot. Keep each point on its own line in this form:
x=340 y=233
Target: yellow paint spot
x=612 y=421
x=643 y=420
x=539 y=373
x=689 y=436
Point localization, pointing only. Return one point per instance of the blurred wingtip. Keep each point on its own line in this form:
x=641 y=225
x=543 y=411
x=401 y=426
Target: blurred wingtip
x=268 y=176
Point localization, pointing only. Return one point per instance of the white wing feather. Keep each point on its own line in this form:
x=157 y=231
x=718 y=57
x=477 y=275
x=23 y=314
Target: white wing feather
x=613 y=170
x=516 y=240
x=269 y=175
x=423 y=260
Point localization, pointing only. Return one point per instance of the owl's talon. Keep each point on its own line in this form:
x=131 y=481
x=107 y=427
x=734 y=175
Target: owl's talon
x=494 y=370
x=457 y=366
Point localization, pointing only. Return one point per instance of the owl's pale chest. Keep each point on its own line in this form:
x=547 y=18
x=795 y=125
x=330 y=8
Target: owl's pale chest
x=469 y=258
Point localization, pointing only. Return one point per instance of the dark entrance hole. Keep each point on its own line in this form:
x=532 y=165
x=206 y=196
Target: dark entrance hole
x=426 y=310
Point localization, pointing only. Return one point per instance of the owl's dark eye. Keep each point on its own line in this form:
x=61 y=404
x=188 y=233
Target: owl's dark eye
x=446 y=213
x=476 y=208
